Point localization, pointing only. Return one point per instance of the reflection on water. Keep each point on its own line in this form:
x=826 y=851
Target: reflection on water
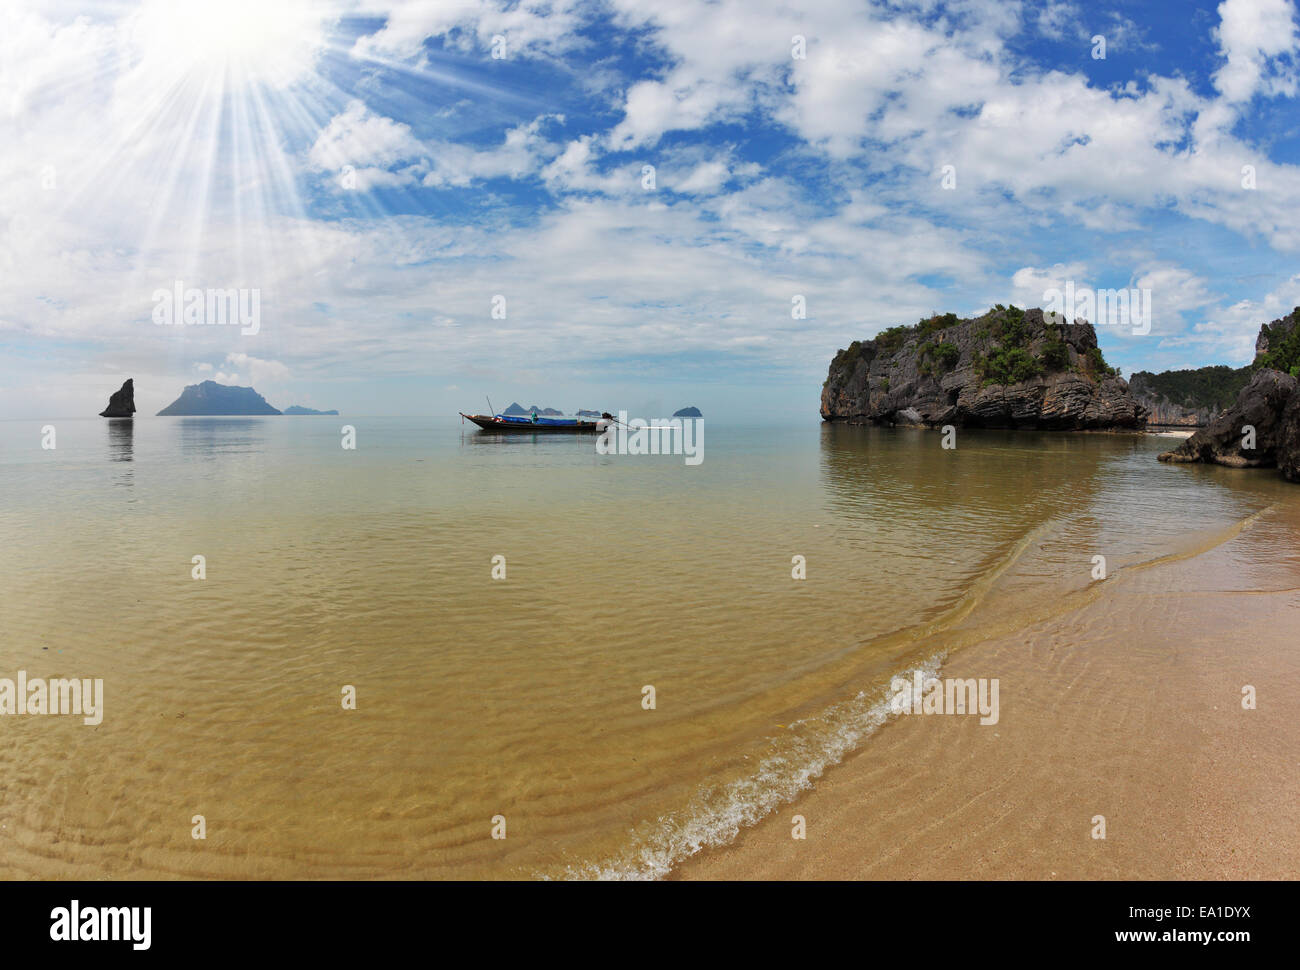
x=121 y=439
x=480 y=436
x=936 y=517
x=213 y=437
x=121 y=448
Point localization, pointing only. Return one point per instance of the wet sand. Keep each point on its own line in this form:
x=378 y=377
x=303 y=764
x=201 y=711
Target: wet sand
x=1129 y=707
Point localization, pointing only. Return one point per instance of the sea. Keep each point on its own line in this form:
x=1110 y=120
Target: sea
x=449 y=654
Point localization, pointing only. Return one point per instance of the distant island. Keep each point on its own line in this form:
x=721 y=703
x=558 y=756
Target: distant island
x=517 y=410
x=121 y=403
x=1007 y=368
x=211 y=398
x=298 y=409
x=1188 y=398
x=688 y=412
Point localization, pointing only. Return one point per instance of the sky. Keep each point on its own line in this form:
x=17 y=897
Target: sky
x=621 y=204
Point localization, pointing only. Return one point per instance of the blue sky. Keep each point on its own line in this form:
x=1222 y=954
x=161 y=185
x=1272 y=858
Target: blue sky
x=382 y=180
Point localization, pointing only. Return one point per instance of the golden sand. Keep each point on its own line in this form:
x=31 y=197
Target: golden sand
x=1129 y=707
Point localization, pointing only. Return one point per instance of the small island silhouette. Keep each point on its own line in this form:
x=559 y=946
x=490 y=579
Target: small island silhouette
x=211 y=398
x=121 y=403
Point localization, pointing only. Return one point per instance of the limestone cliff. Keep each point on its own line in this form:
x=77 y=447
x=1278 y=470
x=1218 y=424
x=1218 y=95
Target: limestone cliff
x=1008 y=368
x=212 y=398
x=1188 y=398
x=1262 y=430
x=121 y=403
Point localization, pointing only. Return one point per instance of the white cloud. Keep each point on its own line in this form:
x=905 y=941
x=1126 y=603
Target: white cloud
x=1060 y=19
x=530 y=27
x=520 y=154
x=259 y=371
x=1029 y=284
x=1231 y=331
x=705 y=179
x=368 y=142
x=363 y=150
x=1048 y=165
x=1252 y=36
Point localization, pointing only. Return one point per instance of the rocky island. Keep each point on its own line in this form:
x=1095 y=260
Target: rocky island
x=516 y=410
x=121 y=403
x=1009 y=368
x=211 y=398
x=1262 y=429
x=299 y=409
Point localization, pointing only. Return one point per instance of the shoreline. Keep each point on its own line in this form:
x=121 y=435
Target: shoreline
x=1127 y=707
x=1154 y=430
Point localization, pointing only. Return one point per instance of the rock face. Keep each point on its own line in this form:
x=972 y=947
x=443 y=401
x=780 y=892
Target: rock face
x=1006 y=369
x=1162 y=413
x=1270 y=404
x=121 y=403
x=1188 y=398
x=211 y=398
x=1288 y=441
x=1273 y=335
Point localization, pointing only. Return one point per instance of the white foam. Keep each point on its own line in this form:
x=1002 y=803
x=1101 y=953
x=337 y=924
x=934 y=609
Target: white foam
x=717 y=814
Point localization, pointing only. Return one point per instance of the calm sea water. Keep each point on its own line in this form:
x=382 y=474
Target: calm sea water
x=480 y=699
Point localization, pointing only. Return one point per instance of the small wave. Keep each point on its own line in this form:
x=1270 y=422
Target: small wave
x=718 y=813
x=1203 y=542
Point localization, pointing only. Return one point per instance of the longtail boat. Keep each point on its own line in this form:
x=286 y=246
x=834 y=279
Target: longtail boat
x=535 y=424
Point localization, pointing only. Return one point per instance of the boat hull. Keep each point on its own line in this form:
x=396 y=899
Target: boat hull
x=490 y=423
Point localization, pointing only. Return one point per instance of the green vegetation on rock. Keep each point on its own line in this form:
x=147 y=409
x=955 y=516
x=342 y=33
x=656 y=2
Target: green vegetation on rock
x=940 y=321
x=1097 y=365
x=1007 y=365
x=1046 y=375
x=1283 y=354
x=938 y=357
x=1056 y=355
x=848 y=357
x=1214 y=388
x=891 y=339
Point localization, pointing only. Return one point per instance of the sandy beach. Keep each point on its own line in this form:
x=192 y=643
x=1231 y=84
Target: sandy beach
x=1128 y=707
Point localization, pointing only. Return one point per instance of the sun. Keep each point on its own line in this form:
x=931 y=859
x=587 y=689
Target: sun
x=271 y=43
